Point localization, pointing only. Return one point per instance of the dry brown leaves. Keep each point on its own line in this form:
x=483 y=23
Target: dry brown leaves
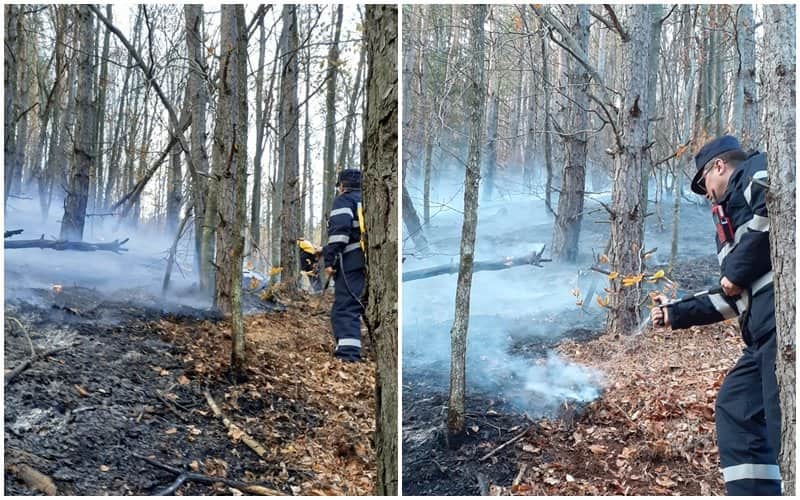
x=652 y=431
x=315 y=415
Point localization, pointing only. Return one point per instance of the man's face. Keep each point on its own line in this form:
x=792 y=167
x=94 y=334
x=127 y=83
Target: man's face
x=716 y=180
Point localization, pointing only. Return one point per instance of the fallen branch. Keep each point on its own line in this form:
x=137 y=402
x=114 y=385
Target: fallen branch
x=234 y=429
x=28 y=362
x=13 y=232
x=183 y=476
x=510 y=441
x=115 y=246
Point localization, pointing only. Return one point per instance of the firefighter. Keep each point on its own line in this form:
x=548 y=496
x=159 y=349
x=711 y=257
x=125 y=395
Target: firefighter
x=344 y=260
x=309 y=262
x=747 y=409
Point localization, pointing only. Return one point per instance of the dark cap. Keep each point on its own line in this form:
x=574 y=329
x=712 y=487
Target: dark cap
x=349 y=178
x=707 y=153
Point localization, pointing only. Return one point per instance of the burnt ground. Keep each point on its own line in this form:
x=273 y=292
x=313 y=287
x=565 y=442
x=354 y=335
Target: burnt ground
x=614 y=445
x=122 y=376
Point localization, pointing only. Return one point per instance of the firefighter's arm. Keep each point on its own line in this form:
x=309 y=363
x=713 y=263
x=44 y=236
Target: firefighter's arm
x=702 y=310
x=749 y=259
x=340 y=224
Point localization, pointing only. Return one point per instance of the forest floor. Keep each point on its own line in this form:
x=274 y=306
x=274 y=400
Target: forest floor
x=118 y=387
x=651 y=432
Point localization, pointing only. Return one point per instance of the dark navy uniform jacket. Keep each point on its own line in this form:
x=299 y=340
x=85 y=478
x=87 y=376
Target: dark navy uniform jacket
x=344 y=233
x=745 y=261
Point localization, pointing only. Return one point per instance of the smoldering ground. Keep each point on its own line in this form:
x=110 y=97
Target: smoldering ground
x=518 y=314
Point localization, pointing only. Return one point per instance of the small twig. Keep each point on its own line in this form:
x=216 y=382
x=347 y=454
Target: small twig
x=13 y=232
x=171 y=408
x=246 y=439
x=510 y=441
x=254 y=489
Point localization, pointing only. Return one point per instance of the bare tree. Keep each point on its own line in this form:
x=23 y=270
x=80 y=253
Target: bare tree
x=458 y=334
x=329 y=150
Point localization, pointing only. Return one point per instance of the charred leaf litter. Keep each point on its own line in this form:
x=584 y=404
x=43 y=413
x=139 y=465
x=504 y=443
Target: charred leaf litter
x=108 y=386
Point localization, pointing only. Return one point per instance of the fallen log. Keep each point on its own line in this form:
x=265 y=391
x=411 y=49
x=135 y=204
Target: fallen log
x=532 y=259
x=183 y=476
x=115 y=246
x=13 y=232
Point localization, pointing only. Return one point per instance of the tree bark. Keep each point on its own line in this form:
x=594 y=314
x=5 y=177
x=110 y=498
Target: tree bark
x=458 y=334
x=746 y=108
x=546 y=131
x=22 y=55
x=567 y=228
x=380 y=210
x=74 y=217
x=351 y=113
x=780 y=128
x=290 y=142
x=490 y=161
x=100 y=119
x=626 y=230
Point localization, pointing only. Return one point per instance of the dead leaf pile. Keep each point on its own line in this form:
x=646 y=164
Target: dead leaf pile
x=313 y=414
x=650 y=433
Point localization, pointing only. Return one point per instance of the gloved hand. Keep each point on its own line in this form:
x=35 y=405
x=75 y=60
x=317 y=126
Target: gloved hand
x=660 y=315
x=329 y=272
x=730 y=289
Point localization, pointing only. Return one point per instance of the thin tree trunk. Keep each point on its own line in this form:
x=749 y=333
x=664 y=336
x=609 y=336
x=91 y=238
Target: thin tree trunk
x=746 y=109
x=490 y=161
x=24 y=97
x=329 y=152
x=780 y=127
x=458 y=334
x=101 y=113
x=654 y=61
x=567 y=228
x=10 y=88
x=548 y=149
x=290 y=142
x=351 y=113
x=205 y=216
x=255 y=198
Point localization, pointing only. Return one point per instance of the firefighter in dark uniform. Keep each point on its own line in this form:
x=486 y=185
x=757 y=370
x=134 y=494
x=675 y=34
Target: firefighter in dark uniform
x=344 y=260
x=747 y=408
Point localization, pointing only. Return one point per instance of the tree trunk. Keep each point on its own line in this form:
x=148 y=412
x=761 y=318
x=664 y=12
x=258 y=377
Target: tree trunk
x=490 y=162
x=255 y=199
x=567 y=228
x=548 y=149
x=100 y=120
x=329 y=153
x=654 y=61
x=175 y=177
x=308 y=182
x=380 y=210
x=626 y=230
x=23 y=52
x=230 y=150
x=780 y=128
x=290 y=142
x=78 y=191
x=458 y=334
x=10 y=89
x=351 y=113
x=205 y=216
x=412 y=223
x=530 y=139
x=746 y=109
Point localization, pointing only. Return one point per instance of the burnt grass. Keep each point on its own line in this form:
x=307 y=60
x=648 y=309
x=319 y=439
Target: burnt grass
x=434 y=466
x=111 y=388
